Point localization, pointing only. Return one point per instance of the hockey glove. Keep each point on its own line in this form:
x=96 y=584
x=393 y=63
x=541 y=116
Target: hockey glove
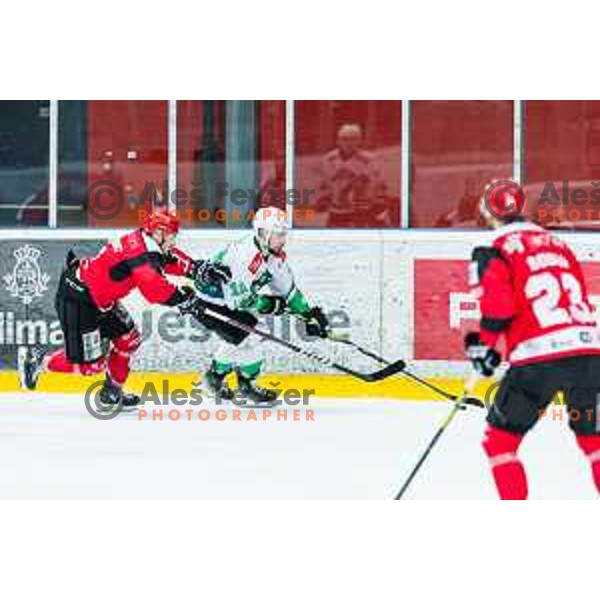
x=191 y=304
x=317 y=324
x=269 y=305
x=205 y=272
x=483 y=358
x=71 y=261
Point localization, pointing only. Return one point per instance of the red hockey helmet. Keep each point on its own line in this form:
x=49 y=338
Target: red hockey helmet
x=164 y=220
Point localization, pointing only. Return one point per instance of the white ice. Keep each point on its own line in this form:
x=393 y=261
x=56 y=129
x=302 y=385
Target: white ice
x=50 y=447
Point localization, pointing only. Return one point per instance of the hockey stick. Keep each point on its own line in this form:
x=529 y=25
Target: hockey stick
x=460 y=403
x=471 y=401
x=387 y=371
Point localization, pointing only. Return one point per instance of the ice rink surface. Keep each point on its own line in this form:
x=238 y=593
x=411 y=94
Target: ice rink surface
x=50 y=447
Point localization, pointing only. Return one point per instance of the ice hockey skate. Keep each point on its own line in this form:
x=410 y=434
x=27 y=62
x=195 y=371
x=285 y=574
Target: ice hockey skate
x=112 y=396
x=213 y=385
x=252 y=394
x=30 y=362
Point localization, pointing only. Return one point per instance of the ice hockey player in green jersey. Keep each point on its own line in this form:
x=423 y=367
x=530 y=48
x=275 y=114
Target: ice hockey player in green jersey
x=256 y=280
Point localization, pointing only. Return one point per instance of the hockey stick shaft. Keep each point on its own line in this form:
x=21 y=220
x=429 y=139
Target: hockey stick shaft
x=470 y=401
x=438 y=434
x=388 y=371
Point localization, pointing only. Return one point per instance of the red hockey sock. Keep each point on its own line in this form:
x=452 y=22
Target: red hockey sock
x=58 y=362
x=120 y=355
x=509 y=474
x=590 y=444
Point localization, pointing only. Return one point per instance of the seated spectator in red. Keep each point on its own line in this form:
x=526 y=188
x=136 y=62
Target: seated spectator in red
x=351 y=190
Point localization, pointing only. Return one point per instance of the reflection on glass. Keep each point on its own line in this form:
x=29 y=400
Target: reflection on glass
x=112 y=161
x=457 y=147
x=562 y=162
x=24 y=148
x=230 y=160
x=348 y=163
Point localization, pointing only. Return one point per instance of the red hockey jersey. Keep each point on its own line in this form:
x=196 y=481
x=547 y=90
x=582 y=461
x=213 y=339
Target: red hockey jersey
x=531 y=290
x=135 y=261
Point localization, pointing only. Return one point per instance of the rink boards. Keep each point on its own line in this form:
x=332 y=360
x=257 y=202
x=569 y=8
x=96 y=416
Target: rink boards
x=400 y=294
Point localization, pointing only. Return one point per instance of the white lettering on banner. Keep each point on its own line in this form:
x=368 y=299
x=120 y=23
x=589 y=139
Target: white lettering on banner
x=473 y=274
x=463 y=307
x=21 y=331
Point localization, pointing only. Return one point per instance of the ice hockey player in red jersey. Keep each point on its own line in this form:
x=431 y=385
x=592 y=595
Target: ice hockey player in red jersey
x=100 y=335
x=532 y=293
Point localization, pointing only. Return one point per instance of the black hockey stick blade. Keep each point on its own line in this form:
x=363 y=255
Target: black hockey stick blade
x=472 y=401
x=392 y=368
x=388 y=371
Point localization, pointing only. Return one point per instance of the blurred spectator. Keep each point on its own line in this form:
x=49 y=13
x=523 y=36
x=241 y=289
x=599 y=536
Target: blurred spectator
x=33 y=211
x=466 y=214
x=272 y=193
x=351 y=189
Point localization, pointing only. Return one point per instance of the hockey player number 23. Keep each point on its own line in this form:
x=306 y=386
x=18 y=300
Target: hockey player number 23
x=545 y=291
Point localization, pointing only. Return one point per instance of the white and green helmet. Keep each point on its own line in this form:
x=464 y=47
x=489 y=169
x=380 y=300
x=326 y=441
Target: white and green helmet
x=267 y=221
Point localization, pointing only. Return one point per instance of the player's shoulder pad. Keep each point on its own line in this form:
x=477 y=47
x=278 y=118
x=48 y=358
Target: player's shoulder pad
x=481 y=258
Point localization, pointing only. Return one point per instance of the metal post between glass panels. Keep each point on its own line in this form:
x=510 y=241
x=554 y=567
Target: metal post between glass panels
x=518 y=140
x=406 y=158
x=289 y=155
x=172 y=152
x=53 y=166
